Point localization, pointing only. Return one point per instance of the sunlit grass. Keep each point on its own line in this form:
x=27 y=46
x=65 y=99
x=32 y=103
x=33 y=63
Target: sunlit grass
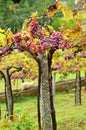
x=60 y=76
x=69 y=117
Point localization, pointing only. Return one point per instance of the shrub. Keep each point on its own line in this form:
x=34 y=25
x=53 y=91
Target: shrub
x=21 y=121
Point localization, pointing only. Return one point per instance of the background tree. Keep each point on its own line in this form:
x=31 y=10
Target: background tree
x=78 y=89
x=8 y=89
x=17 y=63
x=12 y=10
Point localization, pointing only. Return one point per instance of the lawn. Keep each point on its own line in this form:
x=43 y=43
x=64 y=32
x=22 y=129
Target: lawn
x=69 y=117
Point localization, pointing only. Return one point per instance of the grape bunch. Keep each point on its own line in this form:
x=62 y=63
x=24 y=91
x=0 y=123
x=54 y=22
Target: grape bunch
x=55 y=38
x=3 y=50
x=69 y=57
x=64 y=44
x=36 y=41
x=35 y=29
x=21 y=39
x=59 y=67
x=17 y=76
x=45 y=43
x=17 y=39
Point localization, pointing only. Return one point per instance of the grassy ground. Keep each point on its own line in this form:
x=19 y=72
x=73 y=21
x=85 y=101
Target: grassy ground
x=68 y=116
x=69 y=76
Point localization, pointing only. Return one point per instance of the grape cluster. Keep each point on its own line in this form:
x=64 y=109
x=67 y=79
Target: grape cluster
x=64 y=44
x=51 y=41
x=55 y=38
x=69 y=57
x=45 y=43
x=37 y=42
x=59 y=66
x=35 y=29
x=17 y=76
x=17 y=39
x=21 y=39
x=3 y=50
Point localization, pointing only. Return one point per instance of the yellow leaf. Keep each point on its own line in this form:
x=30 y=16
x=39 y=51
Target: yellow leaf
x=45 y=32
x=50 y=28
x=34 y=15
x=25 y=25
x=35 y=40
x=23 y=42
x=2 y=39
x=68 y=14
x=58 y=5
x=1 y=30
x=9 y=36
x=50 y=14
x=84 y=6
x=81 y=15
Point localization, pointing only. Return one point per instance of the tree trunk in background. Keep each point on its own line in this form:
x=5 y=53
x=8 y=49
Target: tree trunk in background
x=39 y=96
x=53 y=83
x=53 y=115
x=85 y=81
x=3 y=75
x=46 y=112
x=0 y=112
x=78 y=89
x=9 y=95
x=6 y=100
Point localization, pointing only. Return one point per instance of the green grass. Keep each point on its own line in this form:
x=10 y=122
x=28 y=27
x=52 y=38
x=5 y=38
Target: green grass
x=69 y=117
x=15 y=85
x=1 y=85
x=60 y=77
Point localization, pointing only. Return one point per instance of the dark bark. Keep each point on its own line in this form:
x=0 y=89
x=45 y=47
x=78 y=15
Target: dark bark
x=51 y=90
x=9 y=94
x=8 y=90
x=78 y=89
x=0 y=112
x=16 y=69
x=6 y=101
x=3 y=76
x=38 y=104
x=22 y=79
x=85 y=81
